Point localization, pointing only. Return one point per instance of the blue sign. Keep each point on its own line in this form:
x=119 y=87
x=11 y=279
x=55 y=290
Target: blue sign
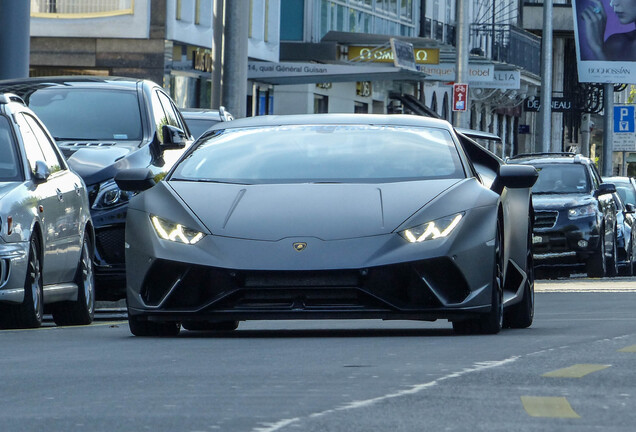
x=624 y=119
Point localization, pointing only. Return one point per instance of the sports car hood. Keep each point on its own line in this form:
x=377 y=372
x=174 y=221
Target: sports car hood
x=560 y=201
x=325 y=211
x=96 y=162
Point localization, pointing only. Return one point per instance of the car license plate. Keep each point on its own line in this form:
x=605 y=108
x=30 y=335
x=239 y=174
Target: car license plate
x=537 y=239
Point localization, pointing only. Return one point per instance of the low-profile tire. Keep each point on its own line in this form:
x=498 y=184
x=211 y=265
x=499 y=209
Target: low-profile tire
x=210 y=325
x=521 y=315
x=595 y=265
x=29 y=313
x=139 y=327
x=82 y=310
x=612 y=262
x=491 y=322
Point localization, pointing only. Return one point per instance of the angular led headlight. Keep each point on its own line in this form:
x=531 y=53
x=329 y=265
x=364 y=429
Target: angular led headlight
x=175 y=232
x=431 y=230
x=581 y=212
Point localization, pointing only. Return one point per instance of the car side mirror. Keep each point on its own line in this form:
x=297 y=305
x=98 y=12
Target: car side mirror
x=629 y=208
x=41 y=173
x=135 y=179
x=604 y=189
x=173 y=138
x=517 y=176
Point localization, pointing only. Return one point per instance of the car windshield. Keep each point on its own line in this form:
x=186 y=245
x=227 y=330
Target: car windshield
x=198 y=126
x=9 y=167
x=323 y=153
x=88 y=114
x=627 y=193
x=561 y=179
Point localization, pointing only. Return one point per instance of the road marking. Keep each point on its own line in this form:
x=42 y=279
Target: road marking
x=575 y=371
x=553 y=407
x=478 y=367
x=629 y=349
x=53 y=327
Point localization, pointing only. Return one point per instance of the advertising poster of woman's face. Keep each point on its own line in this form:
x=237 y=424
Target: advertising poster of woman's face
x=605 y=32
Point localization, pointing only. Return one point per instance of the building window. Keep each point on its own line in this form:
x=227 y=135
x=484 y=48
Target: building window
x=197 y=12
x=81 y=8
x=178 y=10
x=292 y=13
x=392 y=17
x=321 y=104
x=361 y=108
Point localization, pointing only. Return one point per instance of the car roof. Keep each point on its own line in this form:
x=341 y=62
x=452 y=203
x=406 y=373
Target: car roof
x=200 y=113
x=324 y=119
x=617 y=179
x=22 y=84
x=546 y=158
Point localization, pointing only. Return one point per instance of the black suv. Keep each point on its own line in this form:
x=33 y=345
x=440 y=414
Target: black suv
x=574 y=214
x=103 y=125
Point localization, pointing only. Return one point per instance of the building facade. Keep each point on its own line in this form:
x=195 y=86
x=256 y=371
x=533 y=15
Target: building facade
x=167 y=41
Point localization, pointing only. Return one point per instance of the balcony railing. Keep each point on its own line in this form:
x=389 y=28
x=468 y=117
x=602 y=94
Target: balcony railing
x=81 y=8
x=509 y=44
x=554 y=2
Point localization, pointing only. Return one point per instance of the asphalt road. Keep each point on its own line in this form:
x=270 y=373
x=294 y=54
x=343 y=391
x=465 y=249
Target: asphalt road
x=573 y=370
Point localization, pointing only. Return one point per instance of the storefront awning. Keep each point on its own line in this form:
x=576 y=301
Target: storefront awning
x=312 y=73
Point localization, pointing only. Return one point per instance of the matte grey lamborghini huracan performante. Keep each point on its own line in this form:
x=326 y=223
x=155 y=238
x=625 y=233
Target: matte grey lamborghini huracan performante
x=330 y=216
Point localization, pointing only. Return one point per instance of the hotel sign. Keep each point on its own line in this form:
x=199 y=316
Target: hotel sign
x=385 y=55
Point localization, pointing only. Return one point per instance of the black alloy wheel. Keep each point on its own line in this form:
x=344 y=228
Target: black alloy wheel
x=595 y=265
x=521 y=315
x=611 y=268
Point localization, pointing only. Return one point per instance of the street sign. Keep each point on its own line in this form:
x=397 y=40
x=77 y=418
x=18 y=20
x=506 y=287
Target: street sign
x=624 y=118
x=460 y=96
x=403 y=55
x=624 y=128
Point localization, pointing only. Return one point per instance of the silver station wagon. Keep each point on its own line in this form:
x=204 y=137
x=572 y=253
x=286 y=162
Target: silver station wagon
x=46 y=234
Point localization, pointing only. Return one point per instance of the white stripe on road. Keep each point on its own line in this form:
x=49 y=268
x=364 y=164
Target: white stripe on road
x=583 y=285
x=478 y=367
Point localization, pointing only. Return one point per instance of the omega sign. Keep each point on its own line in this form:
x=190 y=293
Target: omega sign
x=559 y=104
x=385 y=55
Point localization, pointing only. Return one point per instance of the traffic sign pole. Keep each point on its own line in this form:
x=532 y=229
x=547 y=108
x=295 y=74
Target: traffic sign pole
x=608 y=130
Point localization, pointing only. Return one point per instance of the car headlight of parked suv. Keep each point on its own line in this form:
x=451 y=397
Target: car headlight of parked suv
x=109 y=196
x=581 y=212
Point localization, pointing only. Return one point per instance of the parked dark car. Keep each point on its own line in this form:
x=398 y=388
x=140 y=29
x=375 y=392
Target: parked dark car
x=103 y=125
x=624 y=198
x=625 y=187
x=574 y=214
x=200 y=120
x=46 y=234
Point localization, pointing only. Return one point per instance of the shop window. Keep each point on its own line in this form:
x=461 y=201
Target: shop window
x=361 y=108
x=321 y=104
